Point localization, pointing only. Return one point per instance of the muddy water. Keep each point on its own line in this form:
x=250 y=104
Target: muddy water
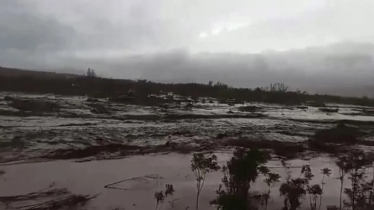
x=75 y=125
x=38 y=135
x=145 y=175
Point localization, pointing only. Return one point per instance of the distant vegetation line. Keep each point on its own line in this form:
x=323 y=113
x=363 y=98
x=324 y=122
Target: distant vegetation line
x=91 y=85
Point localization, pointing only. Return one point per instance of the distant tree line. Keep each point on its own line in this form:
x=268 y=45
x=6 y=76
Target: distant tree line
x=94 y=86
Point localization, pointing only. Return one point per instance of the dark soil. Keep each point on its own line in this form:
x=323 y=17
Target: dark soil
x=339 y=134
x=283 y=149
x=34 y=106
x=90 y=151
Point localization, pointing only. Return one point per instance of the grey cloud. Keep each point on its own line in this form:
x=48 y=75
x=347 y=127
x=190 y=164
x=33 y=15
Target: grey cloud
x=138 y=26
x=23 y=29
x=318 y=69
x=161 y=40
x=27 y=38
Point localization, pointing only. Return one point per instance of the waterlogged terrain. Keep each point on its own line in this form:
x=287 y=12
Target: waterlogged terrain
x=141 y=176
x=61 y=147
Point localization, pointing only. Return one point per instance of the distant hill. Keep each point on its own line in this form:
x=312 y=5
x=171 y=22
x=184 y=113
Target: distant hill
x=18 y=80
x=12 y=72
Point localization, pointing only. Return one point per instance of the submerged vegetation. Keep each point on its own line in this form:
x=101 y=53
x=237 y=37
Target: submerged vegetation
x=162 y=195
x=239 y=173
x=243 y=169
x=247 y=165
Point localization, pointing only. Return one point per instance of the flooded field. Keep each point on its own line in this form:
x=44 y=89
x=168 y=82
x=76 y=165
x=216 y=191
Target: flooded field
x=143 y=175
x=82 y=145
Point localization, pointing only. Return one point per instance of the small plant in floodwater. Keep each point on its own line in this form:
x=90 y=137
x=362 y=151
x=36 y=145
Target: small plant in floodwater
x=201 y=165
x=314 y=192
x=159 y=196
x=271 y=178
x=344 y=167
x=360 y=189
x=162 y=195
x=325 y=172
x=294 y=189
x=240 y=171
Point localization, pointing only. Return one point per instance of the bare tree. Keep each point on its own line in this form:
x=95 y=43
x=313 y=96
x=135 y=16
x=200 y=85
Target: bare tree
x=91 y=73
x=325 y=172
x=201 y=165
x=278 y=87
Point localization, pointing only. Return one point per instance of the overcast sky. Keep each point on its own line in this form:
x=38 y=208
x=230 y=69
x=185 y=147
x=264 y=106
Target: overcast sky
x=71 y=34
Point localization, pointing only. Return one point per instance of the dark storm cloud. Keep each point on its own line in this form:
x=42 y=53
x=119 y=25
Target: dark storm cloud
x=93 y=28
x=27 y=37
x=194 y=40
x=24 y=29
x=345 y=68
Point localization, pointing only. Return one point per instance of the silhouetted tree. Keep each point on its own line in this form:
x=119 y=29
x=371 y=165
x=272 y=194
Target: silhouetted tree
x=325 y=172
x=271 y=178
x=358 y=194
x=278 y=87
x=201 y=165
x=240 y=171
x=91 y=73
x=294 y=189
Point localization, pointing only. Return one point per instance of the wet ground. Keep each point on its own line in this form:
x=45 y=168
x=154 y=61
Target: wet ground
x=50 y=124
